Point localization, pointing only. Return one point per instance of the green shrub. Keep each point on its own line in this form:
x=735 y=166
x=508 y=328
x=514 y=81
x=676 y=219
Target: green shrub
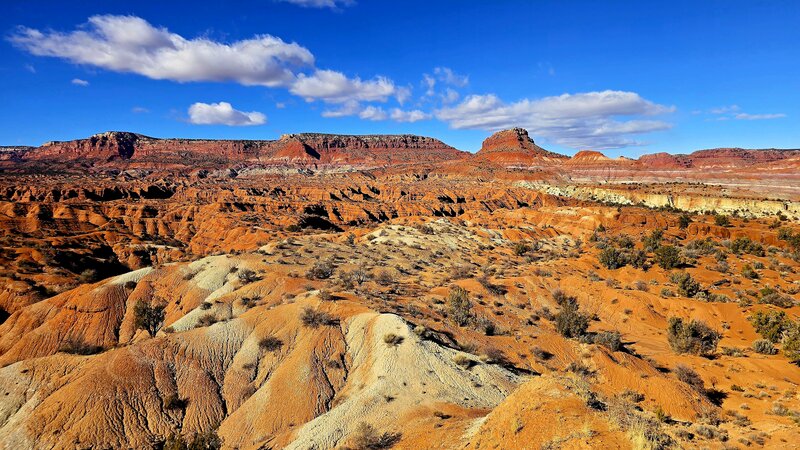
x=764 y=346
x=692 y=337
x=745 y=245
x=687 y=286
x=770 y=324
x=570 y=322
x=722 y=221
x=460 y=308
x=668 y=257
x=313 y=318
x=749 y=272
x=791 y=343
x=611 y=340
x=612 y=258
x=684 y=221
x=653 y=240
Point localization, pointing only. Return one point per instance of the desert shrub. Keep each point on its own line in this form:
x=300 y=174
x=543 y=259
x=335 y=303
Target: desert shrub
x=148 y=317
x=521 y=248
x=684 y=221
x=641 y=286
x=570 y=322
x=293 y=228
x=612 y=258
x=248 y=276
x=791 y=343
x=365 y=437
x=494 y=289
x=462 y=360
x=459 y=272
x=130 y=285
x=644 y=432
x=611 y=340
x=625 y=241
x=384 y=278
x=749 y=272
x=321 y=270
x=764 y=346
x=666 y=293
x=637 y=259
x=459 y=306
x=653 y=240
x=270 y=344
x=668 y=257
x=393 y=339
x=692 y=337
x=746 y=245
x=770 y=324
x=687 y=286
x=207 y=320
x=314 y=318
x=74 y=346
x=776 y=299
x=721 y=220
x=710 y=432
x=688 y=375
x=485 y=326
x=88 y=276
x=200 y=441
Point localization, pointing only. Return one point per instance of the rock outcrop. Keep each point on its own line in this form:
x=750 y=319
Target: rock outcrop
x=515 y=148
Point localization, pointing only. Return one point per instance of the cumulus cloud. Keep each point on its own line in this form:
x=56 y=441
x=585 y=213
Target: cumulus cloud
x=223 y=113
x=79 y=82
x=398 y=115
x=574 y=120
x=332 y=4
x=131 y=44
x=334 y=87
x=373 y=113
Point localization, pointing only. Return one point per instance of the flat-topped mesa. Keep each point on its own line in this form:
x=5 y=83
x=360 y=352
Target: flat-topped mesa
x=719 y=158
x=303 y=149
x=515 y=147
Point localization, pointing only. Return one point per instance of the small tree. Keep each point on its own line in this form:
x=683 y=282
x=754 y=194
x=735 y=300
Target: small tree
x=653 y=240
x=687 y=286
x=722 y=221
x=668 y=257
x=148 y=317
x=570 y=322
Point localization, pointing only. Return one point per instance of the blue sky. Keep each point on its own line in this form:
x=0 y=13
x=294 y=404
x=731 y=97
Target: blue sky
x=626 y=77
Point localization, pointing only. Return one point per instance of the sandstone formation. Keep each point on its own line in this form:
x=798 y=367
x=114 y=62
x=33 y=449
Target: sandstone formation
x=373 y=292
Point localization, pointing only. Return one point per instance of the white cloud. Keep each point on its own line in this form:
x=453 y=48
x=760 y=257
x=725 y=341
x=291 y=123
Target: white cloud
x=349 y=108
x=416 y=115
x=447 y=76
x=333 y=4
x=223 y=113
x=430 y=83
x=334 y=87
x=79 y=82
x=131 y=44
x=735 y=112
x=584 y=120
x=746 y=116
x=373 y=113
x=450 y=95
x=30 y=68
x=402 y=94
x=139 y=110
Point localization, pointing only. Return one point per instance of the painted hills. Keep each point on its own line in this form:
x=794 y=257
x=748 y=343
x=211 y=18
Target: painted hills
x=375 y=292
